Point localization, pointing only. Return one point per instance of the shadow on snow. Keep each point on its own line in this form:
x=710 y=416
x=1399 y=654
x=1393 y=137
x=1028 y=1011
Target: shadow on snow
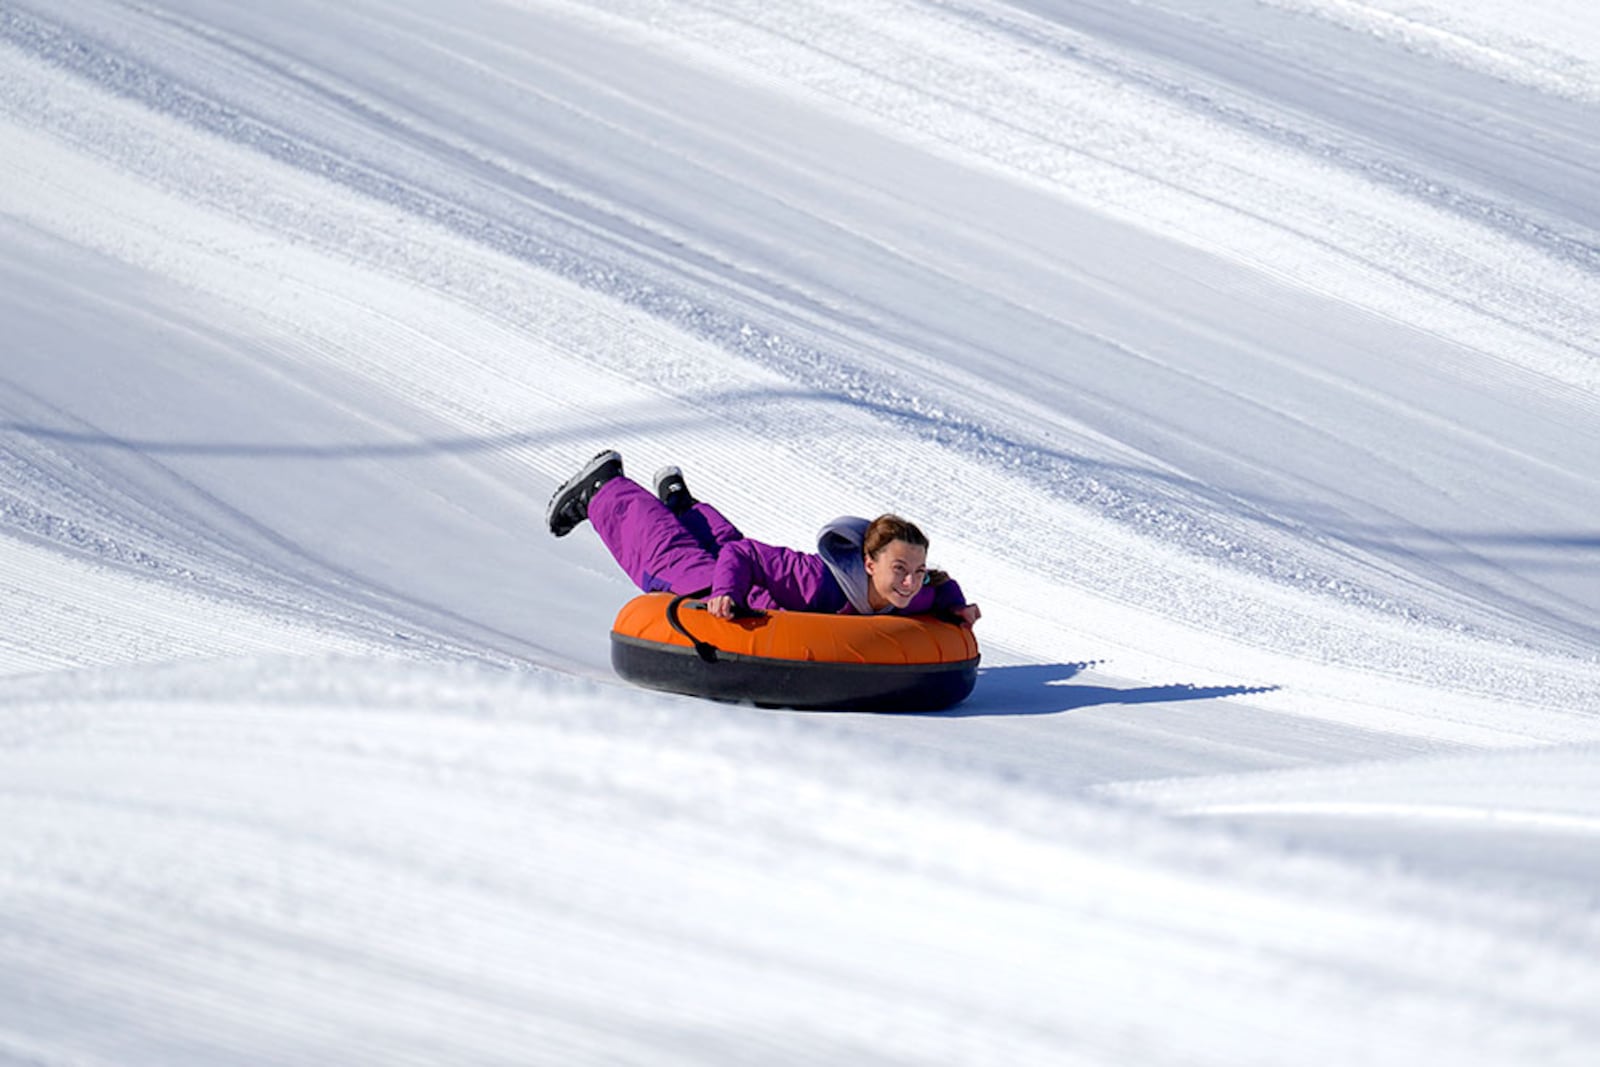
x=1047 y=689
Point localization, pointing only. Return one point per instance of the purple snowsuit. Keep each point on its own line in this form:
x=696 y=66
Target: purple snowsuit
x=701 y=550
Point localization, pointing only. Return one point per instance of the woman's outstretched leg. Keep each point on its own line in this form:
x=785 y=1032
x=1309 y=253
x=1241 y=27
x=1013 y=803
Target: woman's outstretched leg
x=651 y=544
x=708 y=525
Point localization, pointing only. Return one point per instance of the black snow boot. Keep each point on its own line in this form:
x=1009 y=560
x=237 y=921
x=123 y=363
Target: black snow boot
x=570 y=504
x=673 y=490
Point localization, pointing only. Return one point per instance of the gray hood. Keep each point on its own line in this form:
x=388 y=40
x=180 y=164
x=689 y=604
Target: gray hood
x=839 y=543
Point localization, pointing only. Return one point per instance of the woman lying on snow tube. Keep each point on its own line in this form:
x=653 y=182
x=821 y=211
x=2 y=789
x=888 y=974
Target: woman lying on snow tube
x=675 y=547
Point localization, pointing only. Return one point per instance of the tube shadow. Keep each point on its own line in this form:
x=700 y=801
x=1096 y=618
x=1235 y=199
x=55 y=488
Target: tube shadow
x=1045 y=689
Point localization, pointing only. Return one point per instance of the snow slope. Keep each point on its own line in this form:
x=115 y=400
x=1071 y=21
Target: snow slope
x=1239 y=356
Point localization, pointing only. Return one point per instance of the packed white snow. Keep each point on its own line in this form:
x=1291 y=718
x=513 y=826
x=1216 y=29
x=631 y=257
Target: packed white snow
x=1239 y=357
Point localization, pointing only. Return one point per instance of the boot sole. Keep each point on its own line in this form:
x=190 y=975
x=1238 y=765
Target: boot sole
x=574 y=484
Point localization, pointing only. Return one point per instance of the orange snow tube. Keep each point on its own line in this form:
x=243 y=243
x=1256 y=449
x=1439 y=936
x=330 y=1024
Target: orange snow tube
x=795 y=659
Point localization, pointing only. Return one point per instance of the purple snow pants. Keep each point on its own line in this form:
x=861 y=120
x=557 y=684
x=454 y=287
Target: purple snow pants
x=658 y=549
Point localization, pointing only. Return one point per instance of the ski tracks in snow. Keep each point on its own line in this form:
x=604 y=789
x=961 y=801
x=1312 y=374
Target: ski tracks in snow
x=283 y=858
x=488 y=304
x=1045 y=278
x=1086 y=105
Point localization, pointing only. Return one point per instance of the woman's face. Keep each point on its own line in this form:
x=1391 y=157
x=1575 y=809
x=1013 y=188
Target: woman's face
x=896 y=575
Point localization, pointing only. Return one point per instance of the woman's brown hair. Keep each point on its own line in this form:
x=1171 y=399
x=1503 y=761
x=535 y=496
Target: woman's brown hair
x=885 y=530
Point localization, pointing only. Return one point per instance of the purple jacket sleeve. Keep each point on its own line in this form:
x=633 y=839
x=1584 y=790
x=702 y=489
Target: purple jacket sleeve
x=763 y=576
x=944 y=597
x=738 y=570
